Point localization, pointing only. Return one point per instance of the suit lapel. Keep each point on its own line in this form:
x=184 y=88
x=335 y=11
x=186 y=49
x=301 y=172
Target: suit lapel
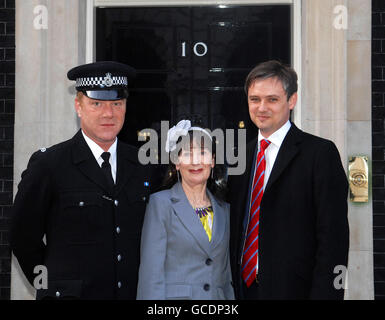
x=287 y=152
x=86 y=162
x=250 y=155
x=245 y=187
x=188 y=217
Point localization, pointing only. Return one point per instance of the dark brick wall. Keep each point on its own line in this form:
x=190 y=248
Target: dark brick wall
x=378 y=145
x=7 y=120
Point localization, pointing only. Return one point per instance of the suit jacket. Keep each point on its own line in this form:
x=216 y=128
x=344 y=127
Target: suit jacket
x=177 y=259
x=92 y=233
x=303 y=233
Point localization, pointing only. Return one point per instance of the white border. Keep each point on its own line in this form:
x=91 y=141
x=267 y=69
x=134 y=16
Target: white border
x=296 y=27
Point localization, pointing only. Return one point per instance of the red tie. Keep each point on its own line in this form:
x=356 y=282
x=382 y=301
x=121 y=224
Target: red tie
x=250 y=251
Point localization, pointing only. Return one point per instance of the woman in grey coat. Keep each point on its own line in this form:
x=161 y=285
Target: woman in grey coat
x=185 y=236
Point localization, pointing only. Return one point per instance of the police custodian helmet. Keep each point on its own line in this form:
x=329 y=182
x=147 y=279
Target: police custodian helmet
x=103 y=80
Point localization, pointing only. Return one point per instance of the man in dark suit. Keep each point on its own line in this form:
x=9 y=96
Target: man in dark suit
x=87 y=196
x=289 y=227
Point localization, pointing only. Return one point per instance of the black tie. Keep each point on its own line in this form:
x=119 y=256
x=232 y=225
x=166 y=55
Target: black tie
x=106 y=168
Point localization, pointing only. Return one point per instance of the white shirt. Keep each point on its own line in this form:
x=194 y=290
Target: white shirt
x=271 y=151
x=97 y=152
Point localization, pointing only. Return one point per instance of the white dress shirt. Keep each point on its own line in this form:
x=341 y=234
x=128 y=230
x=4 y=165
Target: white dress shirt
x=97 y=152
x=271 y=151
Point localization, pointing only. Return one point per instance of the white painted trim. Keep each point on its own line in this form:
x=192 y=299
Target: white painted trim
x=90 y=31
x=296 y=27
x=297 y=56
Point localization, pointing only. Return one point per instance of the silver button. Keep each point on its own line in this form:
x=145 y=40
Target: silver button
x=119 y=284
x=57 y=294
x=119 y=257
x=116 y=202
x=117 y=230
x=81 y=203
x=43 y=149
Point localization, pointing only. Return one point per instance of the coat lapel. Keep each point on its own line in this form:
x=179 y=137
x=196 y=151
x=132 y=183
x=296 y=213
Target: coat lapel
x=85 y=161
x=250 y=161
x=239 y=186
x=188 y=217
x=244 y=188
x=82 y=156
x=287 y=152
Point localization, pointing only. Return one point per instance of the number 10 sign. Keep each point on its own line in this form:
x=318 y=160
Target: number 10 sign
x=199 y=49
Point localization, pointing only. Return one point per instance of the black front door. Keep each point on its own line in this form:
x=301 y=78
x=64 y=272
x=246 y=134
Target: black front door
x=191 y=61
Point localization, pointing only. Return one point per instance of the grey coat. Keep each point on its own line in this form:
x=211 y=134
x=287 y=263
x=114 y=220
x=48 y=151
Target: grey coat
x=177 y=259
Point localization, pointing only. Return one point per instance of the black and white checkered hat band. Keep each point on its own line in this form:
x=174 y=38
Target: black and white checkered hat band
x=101 y=82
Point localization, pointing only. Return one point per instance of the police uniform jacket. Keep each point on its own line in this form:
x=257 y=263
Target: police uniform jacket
x=91 y=250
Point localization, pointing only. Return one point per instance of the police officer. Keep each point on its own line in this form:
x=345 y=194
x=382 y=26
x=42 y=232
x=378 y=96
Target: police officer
x=87 y=196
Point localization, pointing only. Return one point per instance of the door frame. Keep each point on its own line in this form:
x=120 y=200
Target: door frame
x=296 y=41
